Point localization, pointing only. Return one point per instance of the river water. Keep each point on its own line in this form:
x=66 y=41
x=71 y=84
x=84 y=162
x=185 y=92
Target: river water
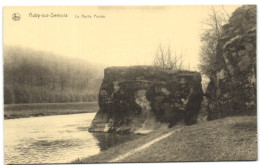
x=54 y=139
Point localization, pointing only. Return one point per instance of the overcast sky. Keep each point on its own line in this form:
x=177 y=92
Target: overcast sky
x=126 y=36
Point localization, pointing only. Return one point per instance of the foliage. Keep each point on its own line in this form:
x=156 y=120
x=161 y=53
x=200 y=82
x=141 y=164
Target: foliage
x=221 y=24
x=244 y=18
x=38 y=77
x=12 y=111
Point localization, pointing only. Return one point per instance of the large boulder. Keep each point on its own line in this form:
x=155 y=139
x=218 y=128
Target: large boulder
x=140 y=99
x=232 y=90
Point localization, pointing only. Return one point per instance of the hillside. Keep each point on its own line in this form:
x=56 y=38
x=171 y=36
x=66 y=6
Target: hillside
x=32 y=76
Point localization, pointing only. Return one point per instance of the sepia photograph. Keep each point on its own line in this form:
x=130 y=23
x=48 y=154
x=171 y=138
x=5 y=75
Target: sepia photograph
x=129 y=84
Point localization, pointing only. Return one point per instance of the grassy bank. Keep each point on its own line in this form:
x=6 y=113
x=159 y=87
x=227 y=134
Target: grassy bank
x=232 y=138
x=12 y=111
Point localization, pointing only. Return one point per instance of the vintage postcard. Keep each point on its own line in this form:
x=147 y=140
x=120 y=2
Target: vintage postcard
x=129 y=84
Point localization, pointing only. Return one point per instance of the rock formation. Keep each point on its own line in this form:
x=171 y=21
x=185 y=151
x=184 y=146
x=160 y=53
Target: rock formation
x=232 y=90
x=141 y=98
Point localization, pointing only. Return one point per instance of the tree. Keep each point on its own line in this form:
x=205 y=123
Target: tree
x=209 y=38
x=218 y=23
x=166 y=59
x=32 y=76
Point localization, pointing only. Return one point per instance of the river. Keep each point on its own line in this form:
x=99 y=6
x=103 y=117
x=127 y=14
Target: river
x=54 y=139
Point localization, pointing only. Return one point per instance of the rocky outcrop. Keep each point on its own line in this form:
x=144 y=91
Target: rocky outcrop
x=232 y=90
x=140 y=99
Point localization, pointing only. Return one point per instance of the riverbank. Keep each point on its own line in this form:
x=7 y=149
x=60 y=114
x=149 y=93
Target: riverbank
x=12 y=111
x=232 y=138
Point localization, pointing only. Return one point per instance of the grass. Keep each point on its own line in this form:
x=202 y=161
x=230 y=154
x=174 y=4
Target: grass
x=12 y=111
x=122 y=148
x=228 y=139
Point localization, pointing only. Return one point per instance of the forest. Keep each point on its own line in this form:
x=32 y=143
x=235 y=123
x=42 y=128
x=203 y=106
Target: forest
x=32 y=76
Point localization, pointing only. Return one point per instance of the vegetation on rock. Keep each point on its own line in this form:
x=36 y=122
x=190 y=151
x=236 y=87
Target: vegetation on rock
x=229 y=59
x=140 y=98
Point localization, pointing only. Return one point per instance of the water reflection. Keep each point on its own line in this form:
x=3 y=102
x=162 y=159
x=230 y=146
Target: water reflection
x=107 y=140
x=55 y=139
x=49 y=139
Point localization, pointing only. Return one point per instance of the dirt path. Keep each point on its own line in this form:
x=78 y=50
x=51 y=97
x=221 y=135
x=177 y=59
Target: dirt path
x=131 y=152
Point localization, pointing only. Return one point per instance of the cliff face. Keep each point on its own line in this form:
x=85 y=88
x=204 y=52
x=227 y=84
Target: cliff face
x=232 y=90
x=140 y=99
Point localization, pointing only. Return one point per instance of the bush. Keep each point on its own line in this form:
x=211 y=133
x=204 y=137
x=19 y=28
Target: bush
x=26 y=94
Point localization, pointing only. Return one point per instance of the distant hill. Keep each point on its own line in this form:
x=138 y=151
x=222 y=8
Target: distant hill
x=32 y=76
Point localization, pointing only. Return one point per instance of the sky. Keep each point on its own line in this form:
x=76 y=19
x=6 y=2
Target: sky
x=110 y=35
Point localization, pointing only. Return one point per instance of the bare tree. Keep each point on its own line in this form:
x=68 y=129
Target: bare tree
x=210 y=37
x=166 y=59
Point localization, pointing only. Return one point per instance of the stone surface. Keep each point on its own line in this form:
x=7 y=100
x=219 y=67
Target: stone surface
x=141 y=99
x=232 y=90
